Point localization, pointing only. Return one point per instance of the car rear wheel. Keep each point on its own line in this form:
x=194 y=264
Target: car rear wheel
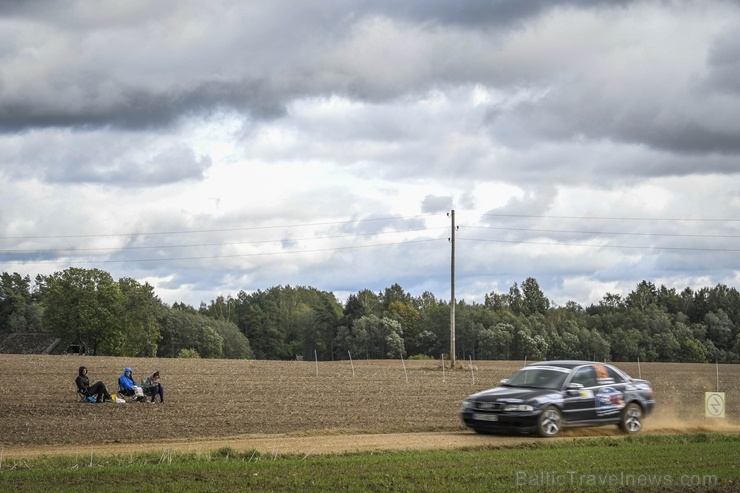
x=550 y=422
x=631 y=419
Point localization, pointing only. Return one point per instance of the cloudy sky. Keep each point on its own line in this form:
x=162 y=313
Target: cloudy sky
x=213 y=147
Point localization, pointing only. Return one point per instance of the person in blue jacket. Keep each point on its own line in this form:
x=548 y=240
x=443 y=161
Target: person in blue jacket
x=128 y=386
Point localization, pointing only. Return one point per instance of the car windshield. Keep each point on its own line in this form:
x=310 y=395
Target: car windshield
x=538 y=378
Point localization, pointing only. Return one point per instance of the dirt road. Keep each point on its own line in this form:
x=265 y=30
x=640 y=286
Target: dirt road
x=308 y=444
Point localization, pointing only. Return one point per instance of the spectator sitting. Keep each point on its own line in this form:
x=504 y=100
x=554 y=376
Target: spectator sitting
x=97 y=389
x=127 y=385
x=154 y=387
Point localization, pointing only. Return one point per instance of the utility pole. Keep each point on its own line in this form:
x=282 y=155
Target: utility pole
x=452 y=294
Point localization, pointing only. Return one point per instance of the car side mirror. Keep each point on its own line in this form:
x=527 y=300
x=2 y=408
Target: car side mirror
x=575 y=387
x=503 y=381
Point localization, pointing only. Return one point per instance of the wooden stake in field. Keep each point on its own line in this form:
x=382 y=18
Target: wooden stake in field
x=404 y=369
x=351 y=364
x=472 y=372
x=716 y=365
x=316 y=358
x=444 y=377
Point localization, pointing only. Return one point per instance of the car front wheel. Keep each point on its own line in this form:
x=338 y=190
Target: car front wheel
x=631 y=419
x=550 y=422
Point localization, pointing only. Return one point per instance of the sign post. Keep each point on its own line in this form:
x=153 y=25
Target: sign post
x=714 y=404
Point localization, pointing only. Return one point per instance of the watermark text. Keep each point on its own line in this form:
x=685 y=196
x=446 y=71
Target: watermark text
x=623 y=479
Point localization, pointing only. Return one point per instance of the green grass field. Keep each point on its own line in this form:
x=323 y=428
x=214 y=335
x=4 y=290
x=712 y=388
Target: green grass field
x=706 y=462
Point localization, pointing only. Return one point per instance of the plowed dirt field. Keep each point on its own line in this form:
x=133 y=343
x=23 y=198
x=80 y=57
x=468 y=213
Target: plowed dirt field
x=297 y=407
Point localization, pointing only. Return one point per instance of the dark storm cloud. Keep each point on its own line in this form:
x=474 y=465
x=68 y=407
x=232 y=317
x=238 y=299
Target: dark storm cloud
x=121 y=68
x=657 y=138
x=138 y=108
x=724 y=63
x=16 y=7
x=655 y=125
x=491 y=13
x=687 y=137
x=257 y=74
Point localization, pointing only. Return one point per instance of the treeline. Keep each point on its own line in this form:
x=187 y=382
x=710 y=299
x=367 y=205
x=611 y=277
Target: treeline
x=126 y=318
x=87 y=308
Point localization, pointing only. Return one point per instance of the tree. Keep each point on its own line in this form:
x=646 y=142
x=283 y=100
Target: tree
x=220 y=309
x=394 y=293
x=719 y=329
x=495 y=301
x=533 y=299
x=209 y=343
x=258 y=320
x=515 y=300
x=18 y=311
x=28 y=317
x=426 y=300
x=408 y=316
x=528 y=347
x=138 y=314
x=436 y=323
x=611 y=300
x=627 y=345
x=692 y=351
x=353 y=309
x=235 y=344
x=502 y=339
x=370 y=301
x=188 y=353
x=645 y=294
x=593 y=345
x=564 y=342
x=83 y=305
x=375 y=337
x=666 y=346
x=670 y=300
x=326 y=322
x=186 y=330
x=699 y=305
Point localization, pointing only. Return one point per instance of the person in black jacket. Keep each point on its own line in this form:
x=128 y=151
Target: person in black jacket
x=97 y=389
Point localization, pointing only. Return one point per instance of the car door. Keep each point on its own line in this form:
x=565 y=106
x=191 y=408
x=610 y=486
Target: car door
x=609 y=393
x=580 y=404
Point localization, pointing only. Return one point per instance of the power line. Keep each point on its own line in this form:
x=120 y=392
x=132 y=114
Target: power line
x=252 y=228
x=528 y=216
x=208 y=257
x=194 y=245
x=519 y=242
x=616 y=233
x=357 y=235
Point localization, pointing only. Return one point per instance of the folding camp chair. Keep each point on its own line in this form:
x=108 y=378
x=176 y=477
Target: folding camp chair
x=123 y=393
x=82 y=396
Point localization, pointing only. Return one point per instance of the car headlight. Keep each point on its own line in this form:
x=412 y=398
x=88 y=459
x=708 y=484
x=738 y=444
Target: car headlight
x=518 y=407
x=467 y=404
